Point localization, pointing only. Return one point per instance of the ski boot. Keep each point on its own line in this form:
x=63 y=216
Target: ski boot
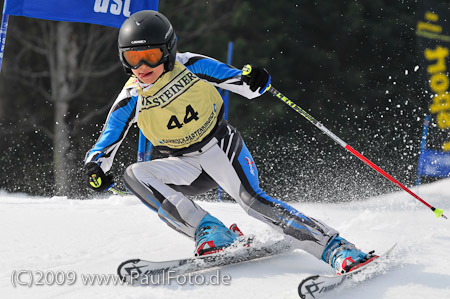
x=212 y=236
x=344 y=257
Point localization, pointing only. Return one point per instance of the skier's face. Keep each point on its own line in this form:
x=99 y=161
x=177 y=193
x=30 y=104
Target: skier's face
x=148 y=75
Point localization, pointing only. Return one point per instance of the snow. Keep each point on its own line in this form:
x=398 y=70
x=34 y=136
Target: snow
x=87 y=237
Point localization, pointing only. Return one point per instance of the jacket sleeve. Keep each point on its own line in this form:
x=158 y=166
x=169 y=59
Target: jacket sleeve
x=217 y=73
x=120 y=118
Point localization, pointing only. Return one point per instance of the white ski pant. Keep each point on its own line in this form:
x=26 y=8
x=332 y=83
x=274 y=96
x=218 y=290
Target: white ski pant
x=163 y=184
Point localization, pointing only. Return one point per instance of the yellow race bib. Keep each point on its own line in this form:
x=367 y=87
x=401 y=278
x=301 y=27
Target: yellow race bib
x=179 y=110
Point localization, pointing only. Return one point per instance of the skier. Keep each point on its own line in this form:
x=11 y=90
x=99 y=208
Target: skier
x=173 y=98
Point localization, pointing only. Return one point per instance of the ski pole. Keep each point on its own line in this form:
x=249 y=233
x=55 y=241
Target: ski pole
x=117 y=191
x=299 y=110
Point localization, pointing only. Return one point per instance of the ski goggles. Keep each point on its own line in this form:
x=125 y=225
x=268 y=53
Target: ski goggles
x=135 y=57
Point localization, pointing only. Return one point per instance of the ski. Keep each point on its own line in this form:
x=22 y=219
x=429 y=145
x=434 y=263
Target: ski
x=139 y=272
x=316 y=286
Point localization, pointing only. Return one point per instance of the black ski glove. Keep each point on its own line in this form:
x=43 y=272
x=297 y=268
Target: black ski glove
x=256 y=77
x=96 y=179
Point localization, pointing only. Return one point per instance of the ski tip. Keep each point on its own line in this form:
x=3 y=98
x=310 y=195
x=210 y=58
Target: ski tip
x=119 y=269
x=304 y=290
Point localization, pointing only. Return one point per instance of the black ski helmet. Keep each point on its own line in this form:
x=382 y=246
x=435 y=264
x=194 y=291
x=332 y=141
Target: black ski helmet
x=147 y=29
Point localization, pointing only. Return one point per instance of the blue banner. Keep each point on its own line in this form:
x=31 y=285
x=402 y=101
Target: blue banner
x=433 y=47
x=434 y=163
x=103 y=12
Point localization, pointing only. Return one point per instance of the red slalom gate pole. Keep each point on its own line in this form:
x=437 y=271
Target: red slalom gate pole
x=299 y=110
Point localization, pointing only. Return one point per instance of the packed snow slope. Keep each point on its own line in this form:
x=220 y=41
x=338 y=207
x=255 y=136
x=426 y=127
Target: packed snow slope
x=57 y=236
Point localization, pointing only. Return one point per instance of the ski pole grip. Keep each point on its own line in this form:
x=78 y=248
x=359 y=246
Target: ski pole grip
x=246 y=70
